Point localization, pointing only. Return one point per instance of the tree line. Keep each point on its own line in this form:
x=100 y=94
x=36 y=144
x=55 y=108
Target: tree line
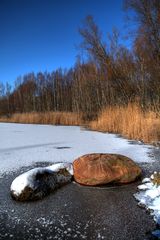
x=111 y=75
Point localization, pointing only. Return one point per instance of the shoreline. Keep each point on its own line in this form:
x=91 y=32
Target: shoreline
x=86 y=127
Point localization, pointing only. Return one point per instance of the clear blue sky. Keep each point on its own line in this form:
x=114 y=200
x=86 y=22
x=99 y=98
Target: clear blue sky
x=39 y=35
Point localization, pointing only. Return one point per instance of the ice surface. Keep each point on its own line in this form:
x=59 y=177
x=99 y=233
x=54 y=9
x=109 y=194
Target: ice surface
x=24 y=144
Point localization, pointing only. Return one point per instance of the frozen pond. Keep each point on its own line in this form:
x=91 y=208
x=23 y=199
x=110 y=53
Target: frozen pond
x=24 y=144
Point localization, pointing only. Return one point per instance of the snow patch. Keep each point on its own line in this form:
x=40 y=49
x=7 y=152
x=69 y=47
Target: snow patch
x=56 y=167
x=149 y=196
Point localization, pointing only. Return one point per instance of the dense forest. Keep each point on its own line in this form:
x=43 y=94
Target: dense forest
x=112 y=74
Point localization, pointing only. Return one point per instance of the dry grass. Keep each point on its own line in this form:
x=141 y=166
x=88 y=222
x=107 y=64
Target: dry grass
x=129 y=121
x=56 y=118
x=156 y=178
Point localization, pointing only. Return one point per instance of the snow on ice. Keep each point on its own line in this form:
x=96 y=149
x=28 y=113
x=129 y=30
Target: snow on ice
x=149 y=197
x=25 y=144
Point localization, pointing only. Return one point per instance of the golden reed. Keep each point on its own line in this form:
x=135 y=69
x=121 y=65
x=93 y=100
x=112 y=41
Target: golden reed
x=129 y=121
x=55 y=118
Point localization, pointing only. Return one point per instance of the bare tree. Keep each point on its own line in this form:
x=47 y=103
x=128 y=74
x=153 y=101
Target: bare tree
x=92 y=41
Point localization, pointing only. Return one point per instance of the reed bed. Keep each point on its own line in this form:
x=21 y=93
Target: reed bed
x=129 y=121
x=55 y=118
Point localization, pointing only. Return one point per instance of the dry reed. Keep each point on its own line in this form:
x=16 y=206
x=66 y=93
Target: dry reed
x=129 y=121
x=56 y=118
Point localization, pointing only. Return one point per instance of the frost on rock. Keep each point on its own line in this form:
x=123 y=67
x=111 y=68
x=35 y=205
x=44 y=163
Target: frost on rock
x=149 y=195
x=39 y=182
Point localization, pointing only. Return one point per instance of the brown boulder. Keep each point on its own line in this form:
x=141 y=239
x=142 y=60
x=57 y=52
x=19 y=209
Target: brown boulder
x=96 y=169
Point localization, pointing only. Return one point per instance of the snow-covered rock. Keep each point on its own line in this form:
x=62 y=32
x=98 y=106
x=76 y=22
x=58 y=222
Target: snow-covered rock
x=39 y=182
x=149 y=196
